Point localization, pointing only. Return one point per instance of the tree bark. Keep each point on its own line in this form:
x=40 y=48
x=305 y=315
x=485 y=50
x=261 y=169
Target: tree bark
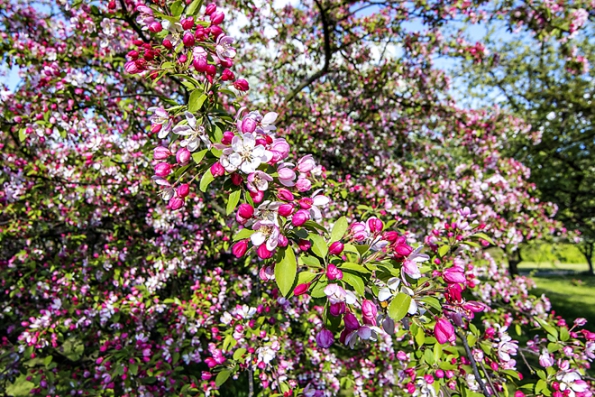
x=586 y=249
x=514 y=258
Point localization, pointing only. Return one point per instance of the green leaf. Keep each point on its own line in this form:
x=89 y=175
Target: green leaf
x=433 y=302
x=22 y=134
x=305 y=277
x=222 y=377
x=285 y=271
x=355 y=281
x=47 y=361
x=243 y=234
x=317 y=290
x=362 y=249
x=443 y=250
x=197 y=157
x=237 y=355
x=176 y=8
x=549 y=329
x=234 y=199
x=399 y=306
x=310 y=261
x=318 y=245
x=206 y=180
x=339 y=229
x=194 y=7
x=429 y=357
x=197 y=98
x=484 y=237
x=564 y=335
x=354 y=267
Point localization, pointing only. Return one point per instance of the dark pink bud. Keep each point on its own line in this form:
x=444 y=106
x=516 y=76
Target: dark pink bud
x=284 y=194
x=336 y=248
x=211 y=69
x=217 y=169
x=236 y=179
x=375 y=225
x=369 y=309
x=175 y=203
x=163 y=169
x=161 y=153
x=182 y=156
x=351 y=322
x=216 y=32
x=444 y=331
x=301 y=289
x=188 y=39
x=227 y=75
x=241 y=85
x=188 y=23
x=285 y=209
x=283 y=241
x=246 y=211
x=304 y=245
x=239 y=248
x=325 y=339
x=227 y=137
x=132 y=68
x=263 y=252
x=454 y=275
x=206 y=375
x=257 y=196
x=217 y=17
x=403 y=250
x=200 y=64
x=183 y=190
x=333 y=272
x=300 y=217
x=211 y=8
x=155 y=27
x=168 y=44
x=336 y=309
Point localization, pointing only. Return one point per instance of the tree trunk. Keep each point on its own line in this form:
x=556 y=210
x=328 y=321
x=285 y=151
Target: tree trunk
x=587 y=250
x=514 y=258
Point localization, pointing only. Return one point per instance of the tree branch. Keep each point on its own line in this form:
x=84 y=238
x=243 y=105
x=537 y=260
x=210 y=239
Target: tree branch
x=484 y=390
x=327 y=57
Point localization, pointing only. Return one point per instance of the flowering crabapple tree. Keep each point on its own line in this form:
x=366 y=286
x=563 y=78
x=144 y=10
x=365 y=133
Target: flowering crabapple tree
x=164 y=235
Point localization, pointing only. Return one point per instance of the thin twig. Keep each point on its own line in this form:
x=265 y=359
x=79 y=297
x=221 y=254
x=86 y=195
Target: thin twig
x=250 y=383
x=473 y=364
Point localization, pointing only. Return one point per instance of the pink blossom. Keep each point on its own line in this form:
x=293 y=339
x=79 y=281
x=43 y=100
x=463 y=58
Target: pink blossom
x=324 y=339
x=444 y=331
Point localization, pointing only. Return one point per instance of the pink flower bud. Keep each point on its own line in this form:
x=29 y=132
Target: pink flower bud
x=336 y=309
x=237 y=179
x=246 y=211
x=227 y=75
x=285 y=210
x=403 y=250
x=183 y=190
x=217 y=169
x=175 y=203
x=375 y=225
x=283 y=241
x=304 y=245
x=300 y=217
x=454 y=275
x=325 y=339
x=187 y=23
x=239 y=248
x=439 y=374
x=161 y=153
x=303 y=185
x=206 y=375
x=217 y=17
x=301 y=289
x=167 y=43
x=369 y=309
x=306 y=163
x=336 y=248
x=248 y=125
x=131 y=67
x=188 y=39
x=182 y=156
x=284 y=194
x=227 y=137
x=155 y=27
x=163 y=169
x=241 y=85
x=280 y=149
x=216 y=31
x=257 y=196
x=263 y=252
x=519 y=393
x=444 y=331
x=333 y=272
x=351 y=322
x=200 y=64
x=211 y=8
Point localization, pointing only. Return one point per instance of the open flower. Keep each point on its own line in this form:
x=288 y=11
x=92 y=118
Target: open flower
x=193 y=133
x=160 y=121
x=244 y=155
x=224 y=47
x=266 y=231
x=259 y=181
x=318 y=201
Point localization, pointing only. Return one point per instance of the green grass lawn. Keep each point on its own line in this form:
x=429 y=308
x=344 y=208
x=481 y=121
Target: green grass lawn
x=570 y=290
